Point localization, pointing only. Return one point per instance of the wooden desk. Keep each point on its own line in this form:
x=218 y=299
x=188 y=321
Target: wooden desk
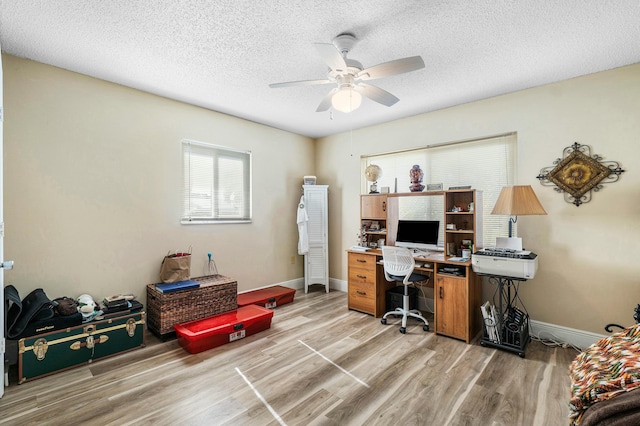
x=457 y=299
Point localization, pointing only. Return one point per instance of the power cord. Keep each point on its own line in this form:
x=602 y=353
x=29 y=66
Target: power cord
x=420 y=285
x=554 y=342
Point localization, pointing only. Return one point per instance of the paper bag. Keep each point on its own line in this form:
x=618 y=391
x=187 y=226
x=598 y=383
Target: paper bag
x=175 y=267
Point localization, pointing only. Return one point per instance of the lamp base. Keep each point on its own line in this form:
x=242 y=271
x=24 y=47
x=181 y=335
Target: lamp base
x=511 y=222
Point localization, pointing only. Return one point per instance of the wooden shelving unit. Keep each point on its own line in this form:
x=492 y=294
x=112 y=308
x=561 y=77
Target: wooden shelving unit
x=463 y=212
x=373 y=211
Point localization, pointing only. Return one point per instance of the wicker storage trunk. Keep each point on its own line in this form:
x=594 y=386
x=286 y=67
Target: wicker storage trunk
x=217 y=294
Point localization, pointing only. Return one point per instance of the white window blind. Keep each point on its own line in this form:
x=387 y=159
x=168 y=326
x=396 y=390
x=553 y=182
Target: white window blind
x=217 y=184
x=486 y=164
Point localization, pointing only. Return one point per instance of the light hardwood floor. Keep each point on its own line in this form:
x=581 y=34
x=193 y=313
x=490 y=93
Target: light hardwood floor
x=318 y=364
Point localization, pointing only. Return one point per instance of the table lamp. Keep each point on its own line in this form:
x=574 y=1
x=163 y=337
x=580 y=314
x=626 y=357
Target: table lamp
x=517 y=201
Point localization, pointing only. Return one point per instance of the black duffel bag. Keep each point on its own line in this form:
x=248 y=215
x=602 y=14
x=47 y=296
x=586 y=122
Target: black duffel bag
x=19 y=313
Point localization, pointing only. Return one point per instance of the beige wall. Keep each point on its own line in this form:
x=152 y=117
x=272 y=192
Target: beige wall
x=589 y=271
x=92 y=188
x=93 y=178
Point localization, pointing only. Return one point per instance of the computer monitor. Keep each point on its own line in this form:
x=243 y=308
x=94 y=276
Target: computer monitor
x=418 y=234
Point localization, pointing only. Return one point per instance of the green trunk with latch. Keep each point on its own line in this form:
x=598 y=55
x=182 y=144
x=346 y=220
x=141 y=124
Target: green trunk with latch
x=59 y=350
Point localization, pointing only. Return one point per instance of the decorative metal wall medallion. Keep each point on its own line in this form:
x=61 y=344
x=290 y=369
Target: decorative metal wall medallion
x=578 y=173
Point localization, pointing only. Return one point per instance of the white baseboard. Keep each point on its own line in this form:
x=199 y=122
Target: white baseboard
x=296 y=284
x=542 y=330
x=336 y=284
x=571 y=336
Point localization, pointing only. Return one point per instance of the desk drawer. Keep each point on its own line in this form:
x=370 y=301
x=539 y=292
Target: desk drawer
x=363 y=261
x=362 y=276
x=362 y=298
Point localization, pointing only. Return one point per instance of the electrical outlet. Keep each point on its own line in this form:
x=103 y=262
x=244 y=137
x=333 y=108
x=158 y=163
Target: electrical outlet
x=293 y=260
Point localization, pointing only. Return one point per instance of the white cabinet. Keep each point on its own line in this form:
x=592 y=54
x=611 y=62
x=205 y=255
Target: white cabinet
x=316 y=261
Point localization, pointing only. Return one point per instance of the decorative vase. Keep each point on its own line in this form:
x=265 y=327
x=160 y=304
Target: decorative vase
x=416 y=176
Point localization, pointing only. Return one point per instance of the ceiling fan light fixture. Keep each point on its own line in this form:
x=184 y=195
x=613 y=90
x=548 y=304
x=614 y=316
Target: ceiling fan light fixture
x=346 y=100
x=349 y=74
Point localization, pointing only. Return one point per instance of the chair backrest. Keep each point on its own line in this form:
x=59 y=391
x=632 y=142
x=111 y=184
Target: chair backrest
x=398 y=261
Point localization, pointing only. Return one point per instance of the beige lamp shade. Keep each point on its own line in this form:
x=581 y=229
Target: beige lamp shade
x=519 y=200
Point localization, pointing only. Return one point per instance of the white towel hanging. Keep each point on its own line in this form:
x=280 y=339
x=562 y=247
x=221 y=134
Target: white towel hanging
x=303 y=235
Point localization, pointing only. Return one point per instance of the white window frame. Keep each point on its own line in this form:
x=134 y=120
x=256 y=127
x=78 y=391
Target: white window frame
x=203 y=194
x=492 y=171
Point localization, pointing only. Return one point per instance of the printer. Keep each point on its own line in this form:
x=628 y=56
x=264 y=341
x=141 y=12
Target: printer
x=518 y=264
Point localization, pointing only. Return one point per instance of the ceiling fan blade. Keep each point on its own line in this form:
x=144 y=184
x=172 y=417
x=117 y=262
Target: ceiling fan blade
x=331 y=56
x=300 y=83
x=386 y=69
x=325 y=104
x=376 y=94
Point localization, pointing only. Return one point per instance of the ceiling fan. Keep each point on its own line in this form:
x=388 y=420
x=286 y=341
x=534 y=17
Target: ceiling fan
x=350 y=78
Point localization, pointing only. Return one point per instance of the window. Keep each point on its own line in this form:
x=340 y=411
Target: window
x=217 y=184
x=485 y=164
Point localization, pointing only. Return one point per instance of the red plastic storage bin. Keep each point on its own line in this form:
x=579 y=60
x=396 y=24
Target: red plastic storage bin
x=208 y=333
x=269 y=297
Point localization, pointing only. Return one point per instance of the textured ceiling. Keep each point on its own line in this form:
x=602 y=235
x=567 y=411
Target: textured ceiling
x=223 y=54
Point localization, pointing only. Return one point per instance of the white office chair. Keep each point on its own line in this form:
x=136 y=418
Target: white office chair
x=398 y=266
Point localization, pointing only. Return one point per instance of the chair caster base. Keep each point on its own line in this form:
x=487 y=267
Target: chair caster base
x=403 y=330
x=383 y=321
x=425 y=328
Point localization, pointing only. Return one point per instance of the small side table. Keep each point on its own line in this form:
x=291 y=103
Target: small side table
x=509 y=328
